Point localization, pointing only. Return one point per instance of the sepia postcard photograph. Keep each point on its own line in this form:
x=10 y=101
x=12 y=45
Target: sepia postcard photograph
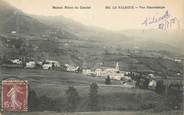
x=91 y=57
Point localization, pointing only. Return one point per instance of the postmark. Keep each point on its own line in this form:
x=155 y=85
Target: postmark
x=14 y=96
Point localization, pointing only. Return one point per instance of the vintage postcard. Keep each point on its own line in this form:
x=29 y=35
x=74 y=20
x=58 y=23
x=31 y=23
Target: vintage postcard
x=92 y=57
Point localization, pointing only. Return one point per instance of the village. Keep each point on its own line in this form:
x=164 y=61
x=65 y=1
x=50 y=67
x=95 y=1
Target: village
x=114 y=84
x=126 y=79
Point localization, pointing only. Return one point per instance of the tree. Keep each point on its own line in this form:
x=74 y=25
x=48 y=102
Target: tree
x=160 y=88
x=174 y=97
x=53 y=66
x=33 y=101
x=146 y=83
x=93 y=97
x=72 y=99
x=108 y=80
x=45 y=103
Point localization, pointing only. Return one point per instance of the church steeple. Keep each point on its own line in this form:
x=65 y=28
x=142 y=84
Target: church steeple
x=117 y=66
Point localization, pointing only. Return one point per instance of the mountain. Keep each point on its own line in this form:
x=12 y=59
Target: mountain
x=13 y=19
x=126 y=39
x=38 y=40
x=81 y=31
x=63 y=39
x=173 y=40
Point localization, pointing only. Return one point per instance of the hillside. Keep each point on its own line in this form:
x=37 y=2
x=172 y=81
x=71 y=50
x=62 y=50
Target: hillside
x=13 y=19
x=53 y=84
x=38 y=39
x=171 y=41
x=62 y=39
x=127 y=39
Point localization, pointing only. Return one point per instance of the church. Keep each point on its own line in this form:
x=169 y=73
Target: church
x=113 y=73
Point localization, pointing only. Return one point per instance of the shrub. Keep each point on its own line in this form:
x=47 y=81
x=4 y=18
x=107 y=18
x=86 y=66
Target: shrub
x=93 y=97
x=108 y=80
x=72 y=99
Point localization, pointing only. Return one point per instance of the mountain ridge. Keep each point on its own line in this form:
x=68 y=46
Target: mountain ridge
x=64 y=39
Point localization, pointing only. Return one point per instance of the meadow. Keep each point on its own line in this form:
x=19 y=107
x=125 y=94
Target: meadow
x=53 y=85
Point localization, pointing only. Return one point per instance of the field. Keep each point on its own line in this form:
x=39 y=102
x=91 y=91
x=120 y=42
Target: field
x=99 y=113
x=53 y=84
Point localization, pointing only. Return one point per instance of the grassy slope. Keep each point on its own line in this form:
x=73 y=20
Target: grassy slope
x=54 y=84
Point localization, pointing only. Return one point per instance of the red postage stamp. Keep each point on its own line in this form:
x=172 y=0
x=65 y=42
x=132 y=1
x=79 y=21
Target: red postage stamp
x=14 y=96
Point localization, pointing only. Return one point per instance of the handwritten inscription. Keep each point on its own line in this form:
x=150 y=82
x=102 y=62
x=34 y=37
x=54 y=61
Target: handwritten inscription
x=163 y=22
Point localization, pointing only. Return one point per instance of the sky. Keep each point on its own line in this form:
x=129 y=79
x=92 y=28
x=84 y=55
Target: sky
x=112 y=19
